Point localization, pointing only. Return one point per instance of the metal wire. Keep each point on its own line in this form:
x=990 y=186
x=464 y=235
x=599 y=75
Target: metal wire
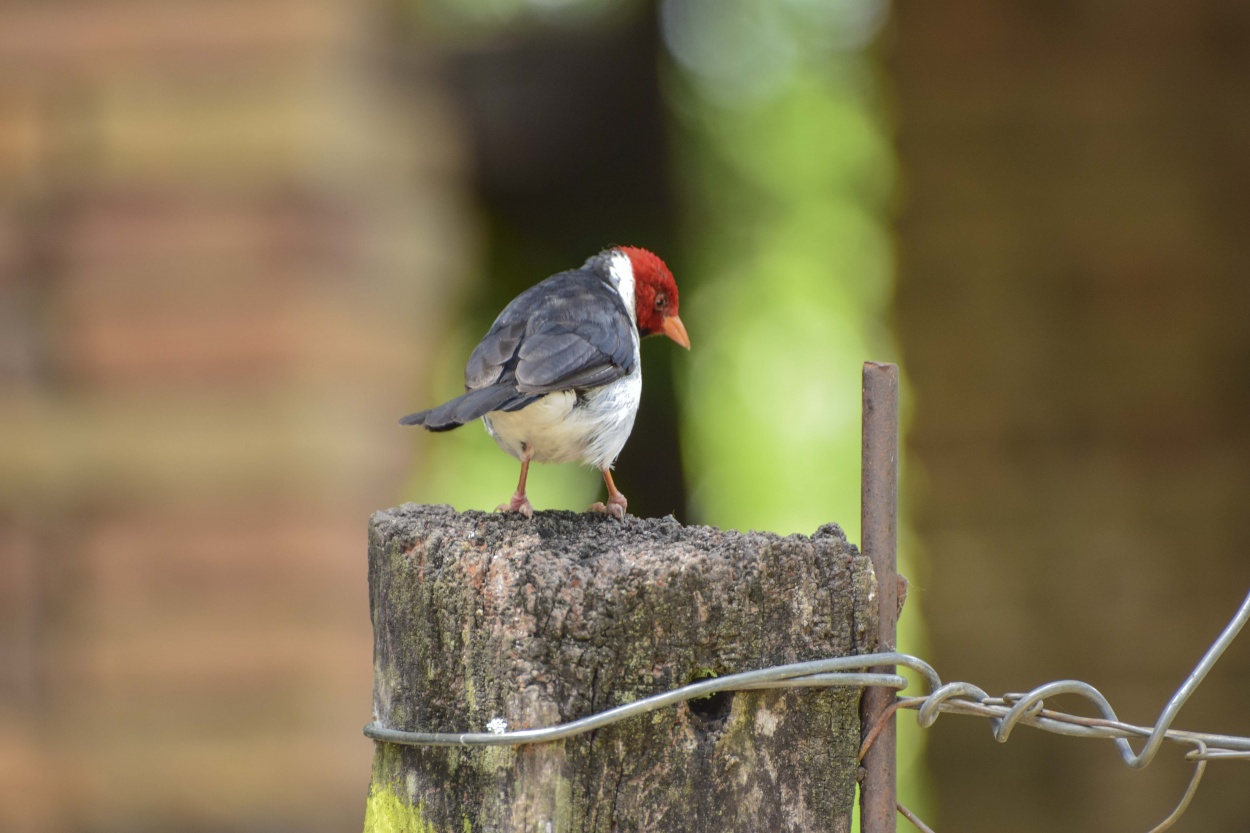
x=1005 y=712
x=839 y=671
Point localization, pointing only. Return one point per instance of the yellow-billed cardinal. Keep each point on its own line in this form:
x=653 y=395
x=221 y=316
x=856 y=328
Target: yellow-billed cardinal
x=558 y=377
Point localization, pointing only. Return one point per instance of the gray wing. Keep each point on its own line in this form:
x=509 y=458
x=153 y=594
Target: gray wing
x=569 y=332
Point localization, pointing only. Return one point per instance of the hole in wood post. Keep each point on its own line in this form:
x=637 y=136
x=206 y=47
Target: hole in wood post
x=714 y=708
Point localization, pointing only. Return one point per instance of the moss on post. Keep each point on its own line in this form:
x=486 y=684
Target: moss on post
x=479 y=616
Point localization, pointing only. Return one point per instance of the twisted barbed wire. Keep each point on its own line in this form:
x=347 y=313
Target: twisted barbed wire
x=1005 y=712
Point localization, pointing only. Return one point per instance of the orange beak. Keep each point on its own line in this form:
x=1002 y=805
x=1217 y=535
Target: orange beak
x=674 y=329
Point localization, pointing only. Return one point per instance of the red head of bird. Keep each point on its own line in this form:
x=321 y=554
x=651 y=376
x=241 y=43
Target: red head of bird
x=655 y=294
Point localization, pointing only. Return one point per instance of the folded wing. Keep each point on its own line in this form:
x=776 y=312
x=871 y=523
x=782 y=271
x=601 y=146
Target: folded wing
x=570 y=332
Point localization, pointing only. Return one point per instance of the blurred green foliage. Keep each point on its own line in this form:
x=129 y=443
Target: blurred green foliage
x=792 y=266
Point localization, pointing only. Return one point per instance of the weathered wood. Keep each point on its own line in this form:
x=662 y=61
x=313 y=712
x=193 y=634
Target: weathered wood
x=479 y=616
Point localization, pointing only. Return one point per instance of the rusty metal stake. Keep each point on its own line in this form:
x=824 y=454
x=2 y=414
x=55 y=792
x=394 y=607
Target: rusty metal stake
x=879 y=540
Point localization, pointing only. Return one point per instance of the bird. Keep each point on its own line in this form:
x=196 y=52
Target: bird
x=558 y=377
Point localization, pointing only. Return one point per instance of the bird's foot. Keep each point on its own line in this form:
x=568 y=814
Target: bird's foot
x=615 y=506
x=519 y=504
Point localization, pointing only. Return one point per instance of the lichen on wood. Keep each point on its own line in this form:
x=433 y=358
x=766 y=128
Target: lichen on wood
x=539 y=621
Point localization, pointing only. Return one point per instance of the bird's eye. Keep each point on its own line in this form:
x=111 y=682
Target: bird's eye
x=661 y=301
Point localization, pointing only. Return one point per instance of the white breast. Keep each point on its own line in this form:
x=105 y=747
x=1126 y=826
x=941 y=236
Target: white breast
x=560 y=429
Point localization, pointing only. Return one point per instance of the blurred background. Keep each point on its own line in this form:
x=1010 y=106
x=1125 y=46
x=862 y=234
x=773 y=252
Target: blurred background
x=239 y=239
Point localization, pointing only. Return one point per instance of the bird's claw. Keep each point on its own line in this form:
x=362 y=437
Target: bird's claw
x=615 y=508
x=519 y=504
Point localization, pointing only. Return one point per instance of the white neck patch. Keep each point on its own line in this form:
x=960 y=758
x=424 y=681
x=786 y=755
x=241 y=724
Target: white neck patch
x=621 y=270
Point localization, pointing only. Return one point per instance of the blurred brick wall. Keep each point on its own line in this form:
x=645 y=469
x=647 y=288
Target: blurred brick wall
x=1073 y=308
x=225 y=236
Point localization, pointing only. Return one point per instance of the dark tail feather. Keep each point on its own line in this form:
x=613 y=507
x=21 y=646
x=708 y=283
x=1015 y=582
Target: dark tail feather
x=470 y=406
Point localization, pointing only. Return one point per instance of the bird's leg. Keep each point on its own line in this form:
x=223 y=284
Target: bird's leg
x=519 y=503
x=616 y=501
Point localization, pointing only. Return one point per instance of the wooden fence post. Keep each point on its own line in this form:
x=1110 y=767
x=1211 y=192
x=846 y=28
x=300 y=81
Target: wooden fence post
x=480 y=616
